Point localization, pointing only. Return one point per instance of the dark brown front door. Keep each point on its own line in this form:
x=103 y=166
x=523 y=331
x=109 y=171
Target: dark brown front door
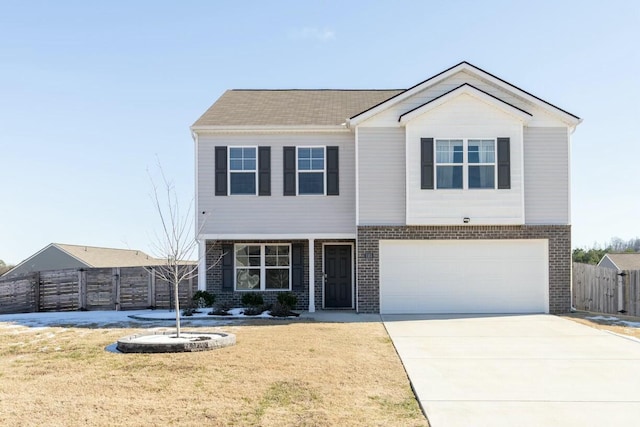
x=337 y=269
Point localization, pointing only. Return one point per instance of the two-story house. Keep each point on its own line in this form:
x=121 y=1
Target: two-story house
x=452 y=196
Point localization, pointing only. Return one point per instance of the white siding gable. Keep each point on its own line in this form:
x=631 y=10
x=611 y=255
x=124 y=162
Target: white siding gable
x=464 y=117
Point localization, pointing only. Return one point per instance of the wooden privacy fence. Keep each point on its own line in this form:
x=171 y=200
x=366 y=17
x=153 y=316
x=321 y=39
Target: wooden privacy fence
x=122 y=288
x=605 y=290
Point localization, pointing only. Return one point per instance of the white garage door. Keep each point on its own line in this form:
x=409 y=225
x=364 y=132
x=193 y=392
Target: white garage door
x=464 y=276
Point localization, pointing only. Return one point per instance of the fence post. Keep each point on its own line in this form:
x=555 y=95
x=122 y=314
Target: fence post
x=116 y=287
x=152 y=287
x=36 y=280
x=82 y=289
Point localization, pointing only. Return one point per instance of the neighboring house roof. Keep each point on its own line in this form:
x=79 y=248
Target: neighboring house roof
x=109 y=257
x=626 y=261
x=294 y=107
x=61 y=256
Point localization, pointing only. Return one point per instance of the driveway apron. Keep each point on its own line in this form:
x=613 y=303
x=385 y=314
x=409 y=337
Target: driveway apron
x=518 y=370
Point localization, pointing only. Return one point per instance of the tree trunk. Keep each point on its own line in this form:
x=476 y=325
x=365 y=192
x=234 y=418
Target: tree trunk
x=177 y=300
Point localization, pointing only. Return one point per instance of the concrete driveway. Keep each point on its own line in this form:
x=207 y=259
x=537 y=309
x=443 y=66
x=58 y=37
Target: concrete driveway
x=527 y=370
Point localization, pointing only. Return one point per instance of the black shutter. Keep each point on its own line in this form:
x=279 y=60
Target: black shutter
x=264 y=171
x=504 y=163
x=227 y=267
x=289 y=171
x=333 y=179
x=221 y=171
x=297 y=266
x=426 y=163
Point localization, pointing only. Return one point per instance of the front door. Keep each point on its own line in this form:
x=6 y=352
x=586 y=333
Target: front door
x=338 y=275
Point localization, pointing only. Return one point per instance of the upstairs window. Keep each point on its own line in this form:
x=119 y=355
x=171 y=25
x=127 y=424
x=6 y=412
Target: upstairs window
x=449 y=161
x=465 y=163
x=242 y=170
x=481 y=156
x=311 y=170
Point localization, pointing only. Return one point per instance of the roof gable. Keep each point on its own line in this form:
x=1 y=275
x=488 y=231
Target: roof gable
x=465 y=89
x=563 y=115
x=625 y=261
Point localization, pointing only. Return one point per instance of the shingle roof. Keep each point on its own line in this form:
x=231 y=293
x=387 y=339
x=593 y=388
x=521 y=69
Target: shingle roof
x=109 y=257
x=326 y=107
x=626 y=261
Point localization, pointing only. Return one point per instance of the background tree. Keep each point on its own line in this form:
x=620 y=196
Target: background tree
x=615 y=245
x=4 y=267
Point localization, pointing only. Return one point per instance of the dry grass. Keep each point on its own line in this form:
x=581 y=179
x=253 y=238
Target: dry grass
x=609 y=325
x=278 y=374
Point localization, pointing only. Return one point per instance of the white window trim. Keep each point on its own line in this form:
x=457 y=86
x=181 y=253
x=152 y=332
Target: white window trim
x=263 y=268
x=465 y=163
x=324 y=170
x=229 y=171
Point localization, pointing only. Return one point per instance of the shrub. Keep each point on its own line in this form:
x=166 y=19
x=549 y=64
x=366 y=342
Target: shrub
x=281 y=310
x=253 y=310
x=204 y=299
x=252 y=299
x=288 y=299
x=221 y=309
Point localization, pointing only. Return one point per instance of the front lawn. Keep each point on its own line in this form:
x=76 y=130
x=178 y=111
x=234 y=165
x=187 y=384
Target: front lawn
x=278 y=374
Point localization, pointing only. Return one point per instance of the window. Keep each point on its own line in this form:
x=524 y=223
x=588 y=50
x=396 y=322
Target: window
x=311 y=170
x=449 y=163
x=242 y=170
x=465 y=163
x=482 y=163
x=262 y=267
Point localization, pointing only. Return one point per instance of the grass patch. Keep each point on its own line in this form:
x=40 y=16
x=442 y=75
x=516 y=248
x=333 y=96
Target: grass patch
x=618 y=326
x=350 y=375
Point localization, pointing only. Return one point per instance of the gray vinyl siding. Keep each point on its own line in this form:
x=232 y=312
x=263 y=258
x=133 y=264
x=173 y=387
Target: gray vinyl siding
x=51 y=258
x=276 y=213
x=546 y=175
x=607 y=263
x=381 y=170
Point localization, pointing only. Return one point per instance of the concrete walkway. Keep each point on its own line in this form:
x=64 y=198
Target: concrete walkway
x=529 y=370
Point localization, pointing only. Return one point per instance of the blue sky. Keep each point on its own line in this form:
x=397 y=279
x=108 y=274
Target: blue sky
x=92 y=92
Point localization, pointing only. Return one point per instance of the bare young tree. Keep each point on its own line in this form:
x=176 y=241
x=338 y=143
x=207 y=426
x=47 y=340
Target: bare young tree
x=175 y=242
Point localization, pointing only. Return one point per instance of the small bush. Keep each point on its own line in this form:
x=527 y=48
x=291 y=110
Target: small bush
x=253 y=311
x=221 y=309
x=204 y=299
x=252 y=299
x=288 y=299
x=281 y=310
x=188 y=312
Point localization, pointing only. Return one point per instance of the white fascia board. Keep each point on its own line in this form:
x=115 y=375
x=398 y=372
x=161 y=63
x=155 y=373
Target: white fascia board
x=287 y=236
x=562 y=115
x=195 y=179
x=471 y=91
x=270 y=129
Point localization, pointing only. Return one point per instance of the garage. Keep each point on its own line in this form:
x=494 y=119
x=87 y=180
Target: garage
x=464 y=276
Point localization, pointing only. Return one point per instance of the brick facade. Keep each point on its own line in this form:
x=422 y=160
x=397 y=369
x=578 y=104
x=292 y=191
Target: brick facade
x=559 y=237
x=233 y=298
